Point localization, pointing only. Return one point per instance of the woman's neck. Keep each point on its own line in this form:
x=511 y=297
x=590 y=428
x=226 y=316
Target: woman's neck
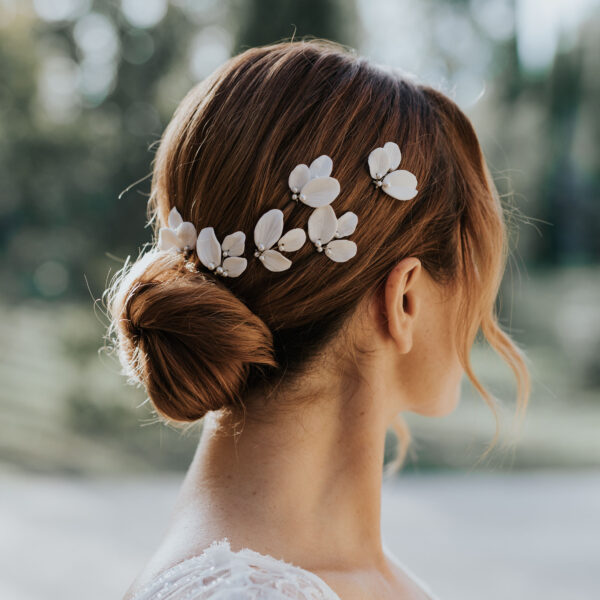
x=306 y=486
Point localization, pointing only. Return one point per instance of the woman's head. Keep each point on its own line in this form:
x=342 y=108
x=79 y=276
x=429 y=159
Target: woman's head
x=199 y=342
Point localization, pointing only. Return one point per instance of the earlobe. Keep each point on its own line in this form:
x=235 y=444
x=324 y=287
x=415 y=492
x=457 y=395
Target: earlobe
x=401 y=302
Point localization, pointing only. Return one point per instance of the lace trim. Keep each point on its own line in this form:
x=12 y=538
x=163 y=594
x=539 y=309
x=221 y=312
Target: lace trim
x=218 y=568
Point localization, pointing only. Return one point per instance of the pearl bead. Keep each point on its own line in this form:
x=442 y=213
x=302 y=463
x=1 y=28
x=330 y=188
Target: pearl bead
x=295 y=190
x=294 y=196
x=219 y=270
x=261 y=247
x=262 y=257
x=225 y=253
x=211 y=266
x=302 y=197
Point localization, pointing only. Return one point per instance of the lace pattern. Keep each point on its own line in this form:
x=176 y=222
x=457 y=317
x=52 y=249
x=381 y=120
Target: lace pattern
x=221 y=574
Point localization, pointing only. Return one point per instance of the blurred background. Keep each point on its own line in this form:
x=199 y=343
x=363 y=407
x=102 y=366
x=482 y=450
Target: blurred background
x=88 y=474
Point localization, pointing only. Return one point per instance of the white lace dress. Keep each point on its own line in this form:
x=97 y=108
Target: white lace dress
x=219 y=573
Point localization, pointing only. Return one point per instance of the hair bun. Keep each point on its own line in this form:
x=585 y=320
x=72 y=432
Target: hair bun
x=185 y=337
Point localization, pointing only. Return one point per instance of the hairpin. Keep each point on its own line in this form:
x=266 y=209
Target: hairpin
x=383 y=162
x=313 y=185
x=179 y=235
x=324 y=226
x=224 y=259
x=267 y=233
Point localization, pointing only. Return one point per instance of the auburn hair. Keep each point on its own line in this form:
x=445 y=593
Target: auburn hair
x=198 y=342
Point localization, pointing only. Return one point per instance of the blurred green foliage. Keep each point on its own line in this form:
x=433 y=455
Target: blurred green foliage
x=266 y=21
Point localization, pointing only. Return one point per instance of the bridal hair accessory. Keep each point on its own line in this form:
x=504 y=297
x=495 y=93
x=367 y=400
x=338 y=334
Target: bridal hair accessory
x=313 y=185
x=324 y=226
x=180 y=235
x=224 y=259
x=383 y=165
x=267 y=233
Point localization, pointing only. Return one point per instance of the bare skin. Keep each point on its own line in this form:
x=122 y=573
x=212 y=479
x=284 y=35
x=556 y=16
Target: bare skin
x=306 y=486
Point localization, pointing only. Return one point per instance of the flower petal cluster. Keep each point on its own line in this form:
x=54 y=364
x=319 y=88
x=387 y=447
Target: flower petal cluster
x=383 y=166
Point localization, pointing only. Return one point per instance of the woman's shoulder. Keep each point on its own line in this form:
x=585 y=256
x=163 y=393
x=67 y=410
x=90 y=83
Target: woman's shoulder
x=219 y=572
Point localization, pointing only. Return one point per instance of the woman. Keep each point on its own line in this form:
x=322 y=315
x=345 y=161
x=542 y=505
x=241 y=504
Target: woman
x=299 y=357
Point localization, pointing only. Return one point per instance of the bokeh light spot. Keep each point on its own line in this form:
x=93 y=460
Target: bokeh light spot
x=51 y=278
x=144 y=13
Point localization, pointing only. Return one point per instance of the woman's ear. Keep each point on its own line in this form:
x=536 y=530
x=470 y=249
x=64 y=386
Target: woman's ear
x=402 y=302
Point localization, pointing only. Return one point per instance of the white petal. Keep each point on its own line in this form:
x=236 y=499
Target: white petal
x=347 y=224
x=298 y=177
x=293 y=240
x=234 y=243
x=234 y=265
x=379 y=163
x=322 y=224
x=274 y=261
x=393 y=153
x=186 y=233
x=175 y=219
x=269 y=228
x=208 y=248
x=400 y=185
x=167 y=239
x=320 y=191
x=340 y=250
x=321 y=167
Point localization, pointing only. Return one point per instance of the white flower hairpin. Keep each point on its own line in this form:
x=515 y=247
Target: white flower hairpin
x=325 y=229
x=383 y=165
x=224 y=259
x=267 y=233
x=179 y=235
x=313 y=185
